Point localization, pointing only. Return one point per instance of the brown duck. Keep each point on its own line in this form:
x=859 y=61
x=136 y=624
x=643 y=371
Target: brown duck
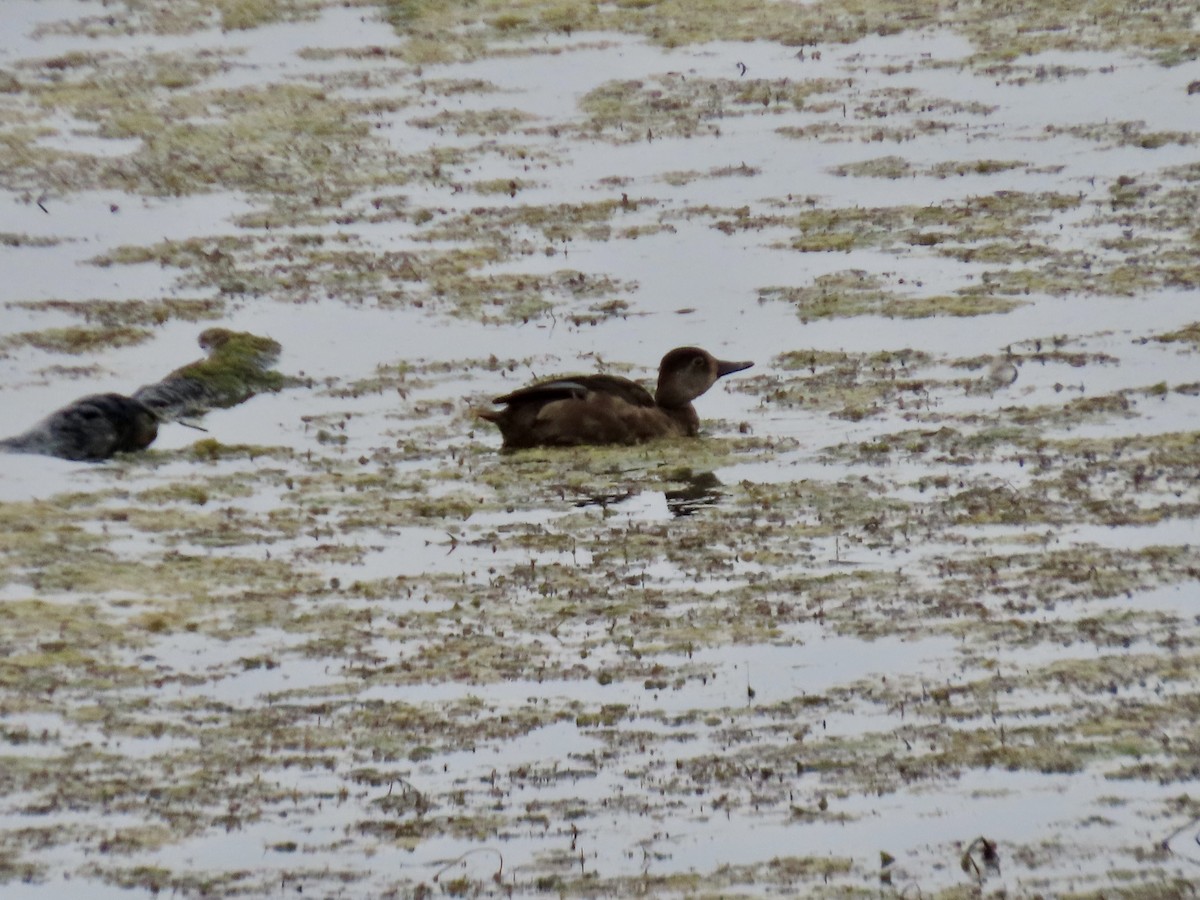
x=608 y=409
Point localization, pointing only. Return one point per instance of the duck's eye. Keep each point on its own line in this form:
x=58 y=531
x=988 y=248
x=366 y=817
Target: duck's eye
x=699 y=363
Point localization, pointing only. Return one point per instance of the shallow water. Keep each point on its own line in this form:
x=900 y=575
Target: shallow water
x=340 y=644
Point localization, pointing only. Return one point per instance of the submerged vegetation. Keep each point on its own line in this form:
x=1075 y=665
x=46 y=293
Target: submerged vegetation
x=1023 y=28
x=352 y=645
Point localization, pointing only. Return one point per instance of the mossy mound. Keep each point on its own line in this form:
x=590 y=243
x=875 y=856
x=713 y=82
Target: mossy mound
x=237 y=368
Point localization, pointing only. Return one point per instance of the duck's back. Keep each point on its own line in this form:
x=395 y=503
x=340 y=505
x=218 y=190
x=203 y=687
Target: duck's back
x=584 y=409
x=580 y=387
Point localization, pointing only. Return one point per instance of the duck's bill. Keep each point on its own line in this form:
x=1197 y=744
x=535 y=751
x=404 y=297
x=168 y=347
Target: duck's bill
x=724 y=367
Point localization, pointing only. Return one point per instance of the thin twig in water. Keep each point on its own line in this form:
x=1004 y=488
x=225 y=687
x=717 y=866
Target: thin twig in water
x=1165 y=844
x=454 y=862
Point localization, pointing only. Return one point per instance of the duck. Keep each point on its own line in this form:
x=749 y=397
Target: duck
x=93 y=428
x=608 y=409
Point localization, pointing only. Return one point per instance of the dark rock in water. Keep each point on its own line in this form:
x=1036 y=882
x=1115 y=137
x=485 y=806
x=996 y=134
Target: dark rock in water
x=236 y=369
x=92 y=428
x=97 y=426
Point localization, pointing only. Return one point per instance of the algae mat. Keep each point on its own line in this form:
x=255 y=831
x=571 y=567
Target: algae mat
x=917 y=615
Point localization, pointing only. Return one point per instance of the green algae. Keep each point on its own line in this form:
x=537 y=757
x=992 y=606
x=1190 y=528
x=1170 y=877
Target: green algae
x=678 y=179
x=388 y=733
x=781 y=873
x=312 y=268
x=998 y=228
x=661 y=617
x=1126 y=134
x=114 y=314
x=851 y=386
x=894 y=167
x=980 y=167
x=476 y=122
x=675 y=106
x=670 y=105
x=11 y=239
x=880 y=167
x=236 y=366
x=184 y=17
x=443 y=32
x=1189 y=334
x=554 y=223
x=186 y=148
x=855 y=292
x=559 y=582
x=76 y=340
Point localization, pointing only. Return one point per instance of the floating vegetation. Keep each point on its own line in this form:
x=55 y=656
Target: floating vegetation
x=922 y=572
x=236 y=368
x=898 y=167
x=880 y=167
x=116 y=314
x=675 y=106
x=858 y=293
x=76 y=340
x=438 y=32
x=1189 y=334
x=9 y=239
x=678 y=179
x=489 y=122
x=1126 y=134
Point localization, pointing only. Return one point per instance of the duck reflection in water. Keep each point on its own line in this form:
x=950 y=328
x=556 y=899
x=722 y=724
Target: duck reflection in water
x=699 y=490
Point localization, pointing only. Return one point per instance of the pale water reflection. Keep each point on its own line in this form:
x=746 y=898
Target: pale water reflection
x=339 y=644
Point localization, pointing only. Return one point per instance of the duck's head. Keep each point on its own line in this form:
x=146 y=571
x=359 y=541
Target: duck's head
x=687 y=372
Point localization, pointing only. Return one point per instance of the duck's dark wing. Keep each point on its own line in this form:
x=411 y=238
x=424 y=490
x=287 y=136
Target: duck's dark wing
x=579 y=387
